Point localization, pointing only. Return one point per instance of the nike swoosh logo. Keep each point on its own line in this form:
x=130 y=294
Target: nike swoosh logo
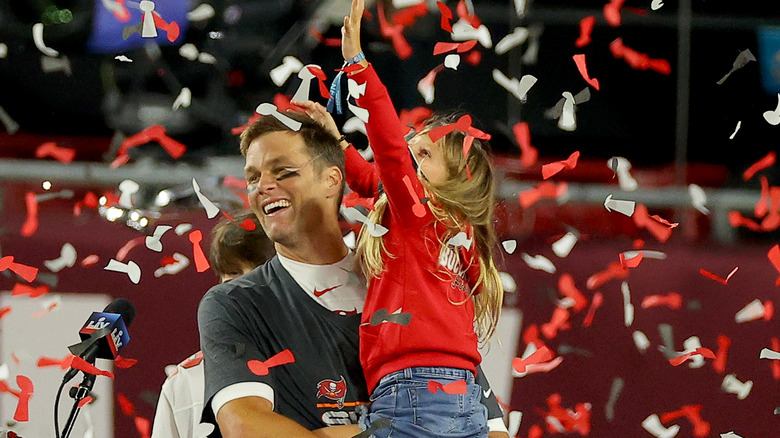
x=318 y=293
x=488 y=392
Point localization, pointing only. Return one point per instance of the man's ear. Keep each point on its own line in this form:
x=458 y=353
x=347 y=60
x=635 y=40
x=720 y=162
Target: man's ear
x=333 y=178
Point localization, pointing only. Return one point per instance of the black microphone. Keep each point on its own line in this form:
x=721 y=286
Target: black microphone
x=104 y=334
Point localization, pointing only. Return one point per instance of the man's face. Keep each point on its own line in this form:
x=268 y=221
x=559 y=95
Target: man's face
x=290 y=198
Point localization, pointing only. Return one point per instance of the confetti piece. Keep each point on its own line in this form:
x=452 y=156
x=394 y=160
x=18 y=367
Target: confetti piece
x=211 y=210
x=418 y=209
x=123 y=362
x=767 y=161
x=355 y=91
x=9 y=123
x=755 y=310
x=182 y=228
x=85 y=401
x=567 y=121
x=354 y=215
x=514 y=420
x=37 y=32
x=569 y=290
x=90 y=260
x=656 y=4
x=394 y=32
x=743 y=58
x=622 y=168
x=612 y=12
x=539 y=262
x=22 y=413
x=184 y=99
x=508 y=282
x=66 y=259
x=281 y=73
x=698 y=198
x=3 y=50
x=154 y=133
x=306 y=75
x=535 y=431
x=659 y=230
x=201 y=262
x=734 y=134
x=613 y=271
x=653 y=425
x=122 y=252
x=26 y=272
x=701 y=428
x=153 y=242
x=579 y=60
x=721 y=356
x=737 y=220
x=545 y=189
x=4 y=311
x=551 y=169
x=269 y=109
x=82 y=365
x=33 y=292
x=704 y=352
x=540 y=355
x=203 y=12
x=50 y=149
x=262 y=368
x=732 y=385
x=586 y=28
x=623 y=207
x=125 y=405
x=559 y=321
x=452 y=61
x=30 y=225
x=692 y=344
x=614 y=394
x=595 y=303
x=528 y=153
x=143 y=426
x=460 y=239
x=672 y=300
x=132 y=270
x=712 y=276
x=376 y=425
x=730 y=434
x=519 y=89
x=518 y=36
x=631 y=262
x=628 y=308
x=509 y=246
x=462 y=30
x=560 y=420
x=444 y=47
x=425 y=85
x=641 y=341
x=381 y=316
x=457 y=387
x=446 y=16
x=638 y=61
x=563 y=246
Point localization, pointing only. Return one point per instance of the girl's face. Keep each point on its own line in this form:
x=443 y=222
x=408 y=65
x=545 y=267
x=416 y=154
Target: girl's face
x=430 y=158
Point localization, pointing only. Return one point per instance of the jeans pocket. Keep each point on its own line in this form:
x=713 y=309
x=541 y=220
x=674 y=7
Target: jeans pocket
x=438 y=413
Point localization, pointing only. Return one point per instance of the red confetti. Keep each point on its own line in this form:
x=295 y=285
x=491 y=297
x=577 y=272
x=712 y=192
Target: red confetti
x=719 y=364
x=560 y=420
x=631 y=263
x=672 y=300
x=712 y=276
x=586 y=28
x=595 y=303
x=612 y=12
x=701 y=351
x=201 y=262
x=457 y=387
x=5 y=388
x=395 y=33
x=535 y=431
x=415 y=117
x=154 y=133
x=558 y=321
x=85 y=401
x=579 y=60
x=474 y=57
x=545 y=189
x=701 y=428
x=64 y=363
x=551 y=169
x=541 y=355
x=82 y=365
x=143 y=426
x=90 y=201
x=248 y=224
x=638 y=61
x=22 y=408
x=767 y=161
x=775 y=364
x=26 y=272
x=418 y=209
x=124 y=363
x=774 y=257
x=40 y=313
x=33 y=292
x=320 y=75
x=446 y=16
x=4 y=311
x=638 y=244
x=127 y=407
x=737 y=220
x=327 y=42
x=613 y=271
x=261 y=368
x=239 y=129
x=762 y=207
x=30 y=225
x=463 y=124
x=531 y=336
x=642 y=219
x=122 y=252
x=408 y=16
x=352 y=199
x=50 y=149
x=463 y=13
x=90 y=260
x=171 y=29
x=529 y=154
x=443 y=47
x=568 y=289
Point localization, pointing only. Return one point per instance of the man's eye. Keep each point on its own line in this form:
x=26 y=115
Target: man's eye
x=286 y=174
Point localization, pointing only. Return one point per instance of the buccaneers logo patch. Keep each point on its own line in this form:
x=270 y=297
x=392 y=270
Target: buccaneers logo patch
x=333 y=389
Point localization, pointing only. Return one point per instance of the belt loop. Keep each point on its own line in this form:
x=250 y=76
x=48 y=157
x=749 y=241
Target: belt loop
x=408 y=373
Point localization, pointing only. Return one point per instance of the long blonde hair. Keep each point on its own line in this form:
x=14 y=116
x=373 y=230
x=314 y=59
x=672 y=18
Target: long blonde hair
x=456 y=203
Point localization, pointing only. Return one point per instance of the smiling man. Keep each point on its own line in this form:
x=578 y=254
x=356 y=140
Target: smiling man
x=304 y=303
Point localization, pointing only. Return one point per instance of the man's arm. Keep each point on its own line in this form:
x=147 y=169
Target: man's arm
x=254 y=417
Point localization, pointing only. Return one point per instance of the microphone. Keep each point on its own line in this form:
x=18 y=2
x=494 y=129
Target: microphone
x=104 y=334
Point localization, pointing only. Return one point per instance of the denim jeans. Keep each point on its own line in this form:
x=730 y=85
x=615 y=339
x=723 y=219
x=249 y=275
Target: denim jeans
x=415 y=412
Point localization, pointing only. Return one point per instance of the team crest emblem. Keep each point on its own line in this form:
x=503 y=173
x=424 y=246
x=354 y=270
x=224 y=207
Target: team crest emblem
x=333 y=389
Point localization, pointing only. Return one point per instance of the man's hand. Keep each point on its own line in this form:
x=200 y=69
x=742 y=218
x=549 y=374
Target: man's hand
x=344 y=431
x=350 y=32
x=498 y=435
x=254 y=417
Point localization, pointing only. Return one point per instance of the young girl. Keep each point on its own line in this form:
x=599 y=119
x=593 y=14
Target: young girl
x=432 y=276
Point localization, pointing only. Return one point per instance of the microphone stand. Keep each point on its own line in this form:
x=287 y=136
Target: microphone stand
x=77 y=394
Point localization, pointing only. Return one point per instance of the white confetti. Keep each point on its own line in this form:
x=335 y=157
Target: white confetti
x=462 y=30
x=130 y=268
x=460 y=239
x=10 y=124
x=188 y=51
x=4 y=373
x=3 y=50
x=620 y=206
x=568 y=121
x=149 y=30
x=628 y=308
x=514 y=39
x=153 y=242
x=350 y=240
x=732 y=385
x=690 y=345
x=127 y=189
x=766 y=353
x=515 y=417
x=519 y=89
x=174 y=268
x=452 y=61
x=51 y=65
x=734 y=134
x=354 y=215
x=563 y=246
x=203 y=12
x=653 y=425
x=751 y=312
x=622 y=168
x=509 y=246
x=773 y=117
x=509 y=283
x=184 y=99
x=269 y=109
x=539 y=262
x=283 y=71
x=122 y=58
x=356 y=91
x=181 y=229
x=657 y=255
x=730 y=434
x=207 y=58
x=66 y=259
x=698 y=198
x=306 y=76
x=656 y=4
x=211 y=209
x=37 y=31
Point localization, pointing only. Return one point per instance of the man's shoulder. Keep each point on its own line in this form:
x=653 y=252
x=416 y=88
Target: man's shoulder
x=257 y=283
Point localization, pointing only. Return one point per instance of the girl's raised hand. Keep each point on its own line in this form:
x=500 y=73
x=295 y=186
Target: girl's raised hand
x=350 y=32
x=320 y=115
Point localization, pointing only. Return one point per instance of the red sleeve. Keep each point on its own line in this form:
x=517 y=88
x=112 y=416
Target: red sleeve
x=391 y=152
x=362 y=176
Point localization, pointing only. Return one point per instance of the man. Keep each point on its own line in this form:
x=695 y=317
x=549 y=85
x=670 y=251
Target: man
x=234 y=251
x=281 y=343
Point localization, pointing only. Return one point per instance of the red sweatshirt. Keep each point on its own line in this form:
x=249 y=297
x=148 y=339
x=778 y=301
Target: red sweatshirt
x=422 y=277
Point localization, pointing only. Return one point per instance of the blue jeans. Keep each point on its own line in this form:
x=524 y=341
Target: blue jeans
x=415 y=412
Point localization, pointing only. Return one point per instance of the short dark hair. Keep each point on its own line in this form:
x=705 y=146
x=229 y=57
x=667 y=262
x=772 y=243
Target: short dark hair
x=317 y=139
x=233 y=245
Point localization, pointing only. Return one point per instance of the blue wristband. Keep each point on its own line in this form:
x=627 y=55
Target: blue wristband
x=357 y=58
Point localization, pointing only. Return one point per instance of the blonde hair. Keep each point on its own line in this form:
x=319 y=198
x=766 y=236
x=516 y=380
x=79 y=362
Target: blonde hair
x=455 y=203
